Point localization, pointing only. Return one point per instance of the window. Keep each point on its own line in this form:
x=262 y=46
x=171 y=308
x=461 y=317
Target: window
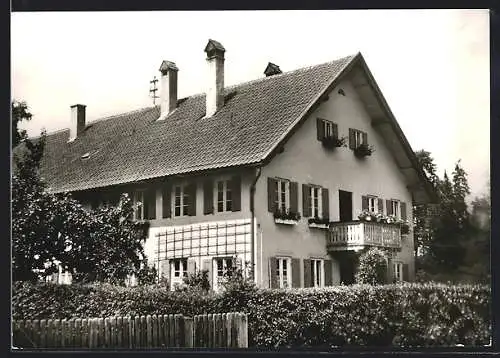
x=181 y=201
x=316 y=202
x=326 y=128
x=284 y=274
x=372 y=204
x=398 y=271
x=224 y=196
x=395 y=205
x=178 y=270
x=317 y=272
x=283 y=195
x=358 y=138
x=222 y=266
x=139 y=205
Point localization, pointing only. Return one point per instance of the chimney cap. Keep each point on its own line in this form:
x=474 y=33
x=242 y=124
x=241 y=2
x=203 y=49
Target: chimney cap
x=168 y=65
x=272 y=69
x=214 y=49
x=78 y=105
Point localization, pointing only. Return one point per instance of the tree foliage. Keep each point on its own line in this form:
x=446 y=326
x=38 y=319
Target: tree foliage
x=20 y=112
x=372 y=267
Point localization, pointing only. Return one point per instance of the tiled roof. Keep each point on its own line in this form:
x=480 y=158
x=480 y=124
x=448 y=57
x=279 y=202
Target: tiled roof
x=135 y=146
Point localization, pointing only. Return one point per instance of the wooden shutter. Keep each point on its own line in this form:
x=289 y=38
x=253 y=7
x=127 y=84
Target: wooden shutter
x=352 y=139
x=273 y=273
x=364 y=202
x=294 y=197
x=325 y=202
x=191 y=191
x=150 y=204
x=328 y=273
x=306 y=200
x=320 y=129
x=307 y=273
x=191 y=266
x=365 y=138
x=208 y=197
x=388 y=207
x=207 y=266
x=272 y=194
x=236 y=192
x=166 y=201
x=380 y=205
x=295 y=272
x=335 y=130
x=406 y=272
x=403 y=210
x=165 y=270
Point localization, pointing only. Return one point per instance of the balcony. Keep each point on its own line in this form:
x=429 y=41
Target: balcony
x=357 y=235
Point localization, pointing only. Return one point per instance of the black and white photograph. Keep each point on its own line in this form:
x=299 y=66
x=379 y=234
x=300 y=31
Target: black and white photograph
x=253 y=180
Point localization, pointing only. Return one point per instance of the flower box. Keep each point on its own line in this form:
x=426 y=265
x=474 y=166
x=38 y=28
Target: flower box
x=363 y=150
x=318 y=226
x=332 y=142
x=285 y=221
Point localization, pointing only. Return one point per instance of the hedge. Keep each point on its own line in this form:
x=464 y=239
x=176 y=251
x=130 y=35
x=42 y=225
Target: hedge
x=398 y=315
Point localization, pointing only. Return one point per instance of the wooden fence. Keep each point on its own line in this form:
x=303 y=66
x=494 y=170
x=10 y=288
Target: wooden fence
x=223 y=330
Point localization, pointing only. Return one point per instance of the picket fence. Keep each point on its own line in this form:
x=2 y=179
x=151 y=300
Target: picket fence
x=223 y=330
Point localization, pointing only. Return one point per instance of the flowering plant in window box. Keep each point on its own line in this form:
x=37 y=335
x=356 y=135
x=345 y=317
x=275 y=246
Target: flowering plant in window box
x=321 y=223
x=363 y=150
x=367 y=215
x=286 y=217
x=332 y=142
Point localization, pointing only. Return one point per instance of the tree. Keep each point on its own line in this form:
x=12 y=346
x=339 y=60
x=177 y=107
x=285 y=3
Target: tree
x=20 y=112
x=372 y=267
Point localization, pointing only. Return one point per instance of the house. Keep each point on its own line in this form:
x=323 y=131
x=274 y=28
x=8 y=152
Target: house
x=254 y=171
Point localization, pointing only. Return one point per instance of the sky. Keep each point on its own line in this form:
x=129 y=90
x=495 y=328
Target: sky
x=431 y=65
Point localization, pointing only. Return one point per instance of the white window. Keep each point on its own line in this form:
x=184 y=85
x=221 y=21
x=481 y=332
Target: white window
x=139 y=205
x=178 y=271
x=358 y=138
x=328 y=128
x=316 y=202
x=224 y=197
x=395 y=204
x=284 y=272
x=398 y=271
x=318 y=273
x=221 y=267
x=372 y=204
x=283 y=195
x=181 y=201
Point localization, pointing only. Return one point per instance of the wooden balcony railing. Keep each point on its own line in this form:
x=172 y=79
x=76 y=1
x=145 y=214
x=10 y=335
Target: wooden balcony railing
x=359 y=234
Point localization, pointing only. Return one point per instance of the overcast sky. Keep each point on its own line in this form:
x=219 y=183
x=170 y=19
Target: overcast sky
x=431 y=65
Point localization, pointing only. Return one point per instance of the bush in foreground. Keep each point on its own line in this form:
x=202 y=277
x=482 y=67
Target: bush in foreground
x=400 y=315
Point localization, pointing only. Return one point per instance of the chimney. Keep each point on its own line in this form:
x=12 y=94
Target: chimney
x=272 y=69
x=168 y=88
x=77 y=125
x=215 y=87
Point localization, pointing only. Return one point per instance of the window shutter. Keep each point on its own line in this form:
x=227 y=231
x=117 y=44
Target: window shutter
x=364 y=202
x=380 y=205
x=365 y=138
x=295 y=272
x=165 y=270
x=406 y=273
x=335 y=129
x=328 y=273
x=306 y=200
x=320 y=129
x=307 y=273
x=273 y=273
x=207 y=266
x=388 y=207
x=352 y=139
x=150 y=204
x=294 y=205
x=272 y=194
x=208 y=197
x=191 y=266
x=236 y=192
x=191 y=190
x=166 y=201
x=325 y=202
x=403 y=210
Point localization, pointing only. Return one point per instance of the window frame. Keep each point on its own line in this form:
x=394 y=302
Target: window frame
x=226 y=188
x=315 y=265
x=374 y=200
x=280 y=182
x=183 y=200
x=358 y=137
x=183 y=271
x=319 y=200
x=216 y=278
x=396 y=208
x=139 y=194
x=397 y=269
x=284 y=279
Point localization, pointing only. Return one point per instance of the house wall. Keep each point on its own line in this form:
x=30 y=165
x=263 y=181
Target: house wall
x=305 y=161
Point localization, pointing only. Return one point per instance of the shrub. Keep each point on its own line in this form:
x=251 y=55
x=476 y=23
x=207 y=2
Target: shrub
x=402 y=315
x=372 y=267
x=197 y=281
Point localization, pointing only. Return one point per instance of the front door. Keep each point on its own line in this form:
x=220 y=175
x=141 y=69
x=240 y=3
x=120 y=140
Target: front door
x=345 y=205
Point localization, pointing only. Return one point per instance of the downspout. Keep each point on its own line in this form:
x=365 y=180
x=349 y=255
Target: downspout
x=252 y=211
